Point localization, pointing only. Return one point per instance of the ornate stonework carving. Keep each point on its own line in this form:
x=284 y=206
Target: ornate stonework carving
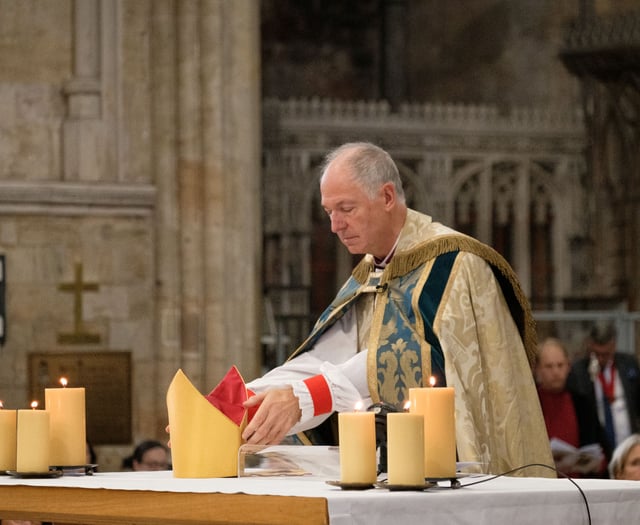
x=474 y=167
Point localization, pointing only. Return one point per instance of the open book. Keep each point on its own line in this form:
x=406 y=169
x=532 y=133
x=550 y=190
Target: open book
x=570 y=459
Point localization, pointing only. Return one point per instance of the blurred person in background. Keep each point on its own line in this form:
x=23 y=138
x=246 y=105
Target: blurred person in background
x=569 y=416
x=148 y=455
x=625 y=462
x=611 y=380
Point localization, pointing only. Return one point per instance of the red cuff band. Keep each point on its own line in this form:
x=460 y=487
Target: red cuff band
x=320 y=394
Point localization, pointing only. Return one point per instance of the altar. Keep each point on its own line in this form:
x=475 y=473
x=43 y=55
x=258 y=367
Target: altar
x=159 y=498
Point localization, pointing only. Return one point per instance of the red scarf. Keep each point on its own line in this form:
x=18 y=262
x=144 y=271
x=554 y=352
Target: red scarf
x=608 y=387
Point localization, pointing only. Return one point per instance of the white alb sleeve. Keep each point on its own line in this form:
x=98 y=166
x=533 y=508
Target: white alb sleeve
x=335 y=358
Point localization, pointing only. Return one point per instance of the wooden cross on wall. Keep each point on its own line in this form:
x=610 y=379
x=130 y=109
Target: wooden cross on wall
x=77 y=287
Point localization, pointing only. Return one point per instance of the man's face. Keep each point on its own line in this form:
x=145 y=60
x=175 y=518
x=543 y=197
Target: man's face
x=361 y=223
x=153 y=459
x=604 y=352
x=631 y=467
x=552 y=368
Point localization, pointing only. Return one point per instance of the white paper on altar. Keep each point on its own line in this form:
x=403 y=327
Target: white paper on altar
x=289 y=460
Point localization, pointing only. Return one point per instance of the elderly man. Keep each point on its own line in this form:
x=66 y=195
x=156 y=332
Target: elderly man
x=424 y=301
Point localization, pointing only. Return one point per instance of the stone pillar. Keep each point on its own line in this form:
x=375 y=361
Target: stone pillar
x=168 y=308
x=190 y=187
x=207 y=154
x=217 y=260
x=522 y=234
x=232 y=211
x=82 y=128
x=485 y=204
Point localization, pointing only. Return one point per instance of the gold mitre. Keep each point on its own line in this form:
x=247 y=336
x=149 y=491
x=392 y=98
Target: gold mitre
x=206 y=432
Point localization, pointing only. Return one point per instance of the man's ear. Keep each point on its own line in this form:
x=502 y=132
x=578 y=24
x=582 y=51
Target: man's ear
x=389 y=194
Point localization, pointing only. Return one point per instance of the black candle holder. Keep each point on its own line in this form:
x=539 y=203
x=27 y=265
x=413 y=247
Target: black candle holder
x=75 y=470
x=381 y=410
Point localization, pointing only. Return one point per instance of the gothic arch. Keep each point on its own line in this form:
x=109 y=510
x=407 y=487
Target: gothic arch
x=517 y=205
x=414 y=187
x=468 y=169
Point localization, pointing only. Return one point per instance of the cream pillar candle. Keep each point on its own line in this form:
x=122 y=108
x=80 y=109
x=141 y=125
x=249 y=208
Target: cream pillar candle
x=7 y=439
x=437 y=407
x=32 y=443
x=66 y=407
x=405 y=449
x=357 y=436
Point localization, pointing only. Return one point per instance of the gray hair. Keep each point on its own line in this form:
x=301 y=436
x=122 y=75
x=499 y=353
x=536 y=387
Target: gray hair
x=553 y=341
x=602 y=332
x=621 y=453
x=369 y=165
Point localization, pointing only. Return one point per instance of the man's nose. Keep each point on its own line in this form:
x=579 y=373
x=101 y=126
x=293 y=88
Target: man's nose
x=337 y=224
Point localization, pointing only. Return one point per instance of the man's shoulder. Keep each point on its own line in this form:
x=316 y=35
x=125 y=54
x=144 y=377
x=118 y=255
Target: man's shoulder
x=579 y=379
x=580 y=367
x=419 y=228
x=624 y=356
x=629 y=361
x=580 y=398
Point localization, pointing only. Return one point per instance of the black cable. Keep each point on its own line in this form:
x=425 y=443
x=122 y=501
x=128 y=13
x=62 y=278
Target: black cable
x=584 y=496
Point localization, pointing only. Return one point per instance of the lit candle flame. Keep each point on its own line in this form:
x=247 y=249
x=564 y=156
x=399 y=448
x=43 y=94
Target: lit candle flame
x=407 y=406
x=432 y=381
x=358 y=406
x=63 y=382
x=34 y=405
x=1 y=405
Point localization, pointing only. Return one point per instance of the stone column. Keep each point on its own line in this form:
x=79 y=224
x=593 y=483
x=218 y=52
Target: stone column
x=82 y=128
x=232 y=210
x=217 y=260
x=522 y=219
x=168 y=308
x=209 y=235
x=190 y=187
x=485 y=204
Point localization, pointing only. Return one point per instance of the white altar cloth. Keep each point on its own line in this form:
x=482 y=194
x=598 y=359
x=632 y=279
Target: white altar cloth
x=504 y=500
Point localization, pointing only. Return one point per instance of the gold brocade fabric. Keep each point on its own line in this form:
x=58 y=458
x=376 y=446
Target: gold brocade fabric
x=399 y=357
x=498 y=417
x=364 y=313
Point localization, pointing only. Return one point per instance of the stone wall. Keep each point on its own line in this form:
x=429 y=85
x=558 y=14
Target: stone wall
x=129 y=145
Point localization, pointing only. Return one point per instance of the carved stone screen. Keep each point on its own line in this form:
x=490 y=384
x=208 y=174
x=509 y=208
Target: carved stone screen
x=106 y=378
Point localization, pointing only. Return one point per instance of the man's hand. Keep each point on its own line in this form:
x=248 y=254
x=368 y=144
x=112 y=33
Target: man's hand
x=279 y=410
